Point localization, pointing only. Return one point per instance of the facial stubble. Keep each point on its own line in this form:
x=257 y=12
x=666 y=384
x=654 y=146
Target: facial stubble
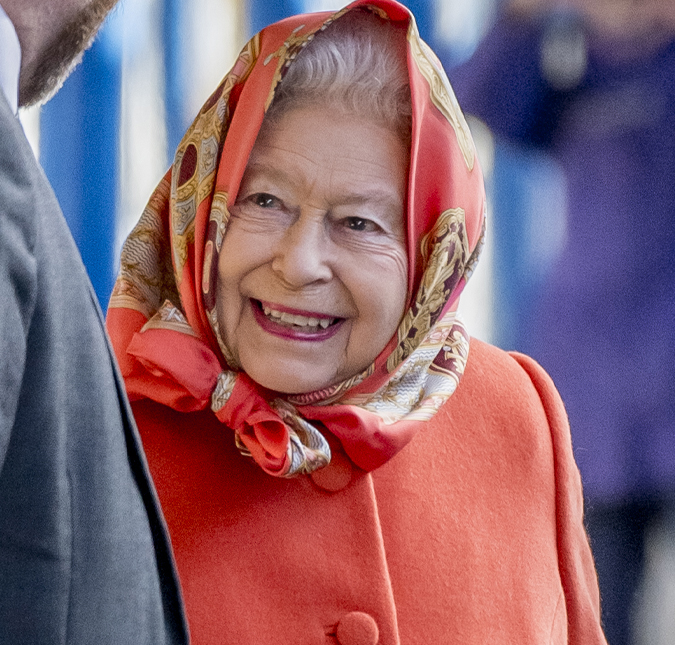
x=62 y=54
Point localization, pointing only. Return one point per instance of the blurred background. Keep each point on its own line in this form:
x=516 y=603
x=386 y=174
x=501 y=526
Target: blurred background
x=572 y=106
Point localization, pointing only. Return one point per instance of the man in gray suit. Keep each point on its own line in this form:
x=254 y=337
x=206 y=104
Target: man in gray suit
x=84 y=555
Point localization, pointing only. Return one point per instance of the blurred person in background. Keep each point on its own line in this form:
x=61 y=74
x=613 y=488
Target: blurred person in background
x=84 y=556
x=591 y=83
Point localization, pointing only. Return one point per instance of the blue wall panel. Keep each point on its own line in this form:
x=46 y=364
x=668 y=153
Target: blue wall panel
x=79 y=152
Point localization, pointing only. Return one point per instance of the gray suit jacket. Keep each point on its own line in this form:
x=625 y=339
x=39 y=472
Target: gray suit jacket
x=84 y=554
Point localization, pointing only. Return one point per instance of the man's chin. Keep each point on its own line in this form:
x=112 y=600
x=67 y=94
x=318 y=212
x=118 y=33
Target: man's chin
x=40 y=89
x=60 y=57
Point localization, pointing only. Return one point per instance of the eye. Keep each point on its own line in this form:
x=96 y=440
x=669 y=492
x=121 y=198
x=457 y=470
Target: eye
x=360 y=224
x=265 y=200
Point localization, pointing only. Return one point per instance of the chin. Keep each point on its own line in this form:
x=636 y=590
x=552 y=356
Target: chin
x=280 y=381
x=286 y=386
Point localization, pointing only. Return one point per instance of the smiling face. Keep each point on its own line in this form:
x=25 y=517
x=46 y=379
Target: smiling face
x=312 y=274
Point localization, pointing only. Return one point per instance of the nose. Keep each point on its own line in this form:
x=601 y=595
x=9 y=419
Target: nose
x=301 y=256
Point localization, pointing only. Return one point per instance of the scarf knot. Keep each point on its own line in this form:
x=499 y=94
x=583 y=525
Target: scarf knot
x=273 y=433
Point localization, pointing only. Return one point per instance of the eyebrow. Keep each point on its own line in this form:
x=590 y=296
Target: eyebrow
x=370 y=196
x=366 y=196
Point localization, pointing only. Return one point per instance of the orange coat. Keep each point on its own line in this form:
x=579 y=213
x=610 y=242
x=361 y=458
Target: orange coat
x=471 y=534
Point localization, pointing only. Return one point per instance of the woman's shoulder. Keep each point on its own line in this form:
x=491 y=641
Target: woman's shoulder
x=491 y=371
x=486 y=357
x=506 y=392
x=504 y=431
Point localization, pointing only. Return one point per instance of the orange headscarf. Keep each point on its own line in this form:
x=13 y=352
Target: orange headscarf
x=162 y=314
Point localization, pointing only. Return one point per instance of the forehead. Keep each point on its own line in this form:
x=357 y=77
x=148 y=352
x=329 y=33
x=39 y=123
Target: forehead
x=321 y=145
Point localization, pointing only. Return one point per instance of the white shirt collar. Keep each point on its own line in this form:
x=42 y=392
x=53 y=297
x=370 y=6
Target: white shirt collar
x=10 y=60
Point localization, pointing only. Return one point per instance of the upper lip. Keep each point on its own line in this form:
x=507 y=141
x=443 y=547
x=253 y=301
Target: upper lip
x=296 y=312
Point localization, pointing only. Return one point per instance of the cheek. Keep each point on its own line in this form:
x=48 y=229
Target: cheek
x=397 y=291
x=226 y=305
x=231 y=270
x=396 y=279
x=383 y=293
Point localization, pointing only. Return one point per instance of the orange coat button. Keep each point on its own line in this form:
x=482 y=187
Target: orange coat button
x=357 y=628
x=336 y=475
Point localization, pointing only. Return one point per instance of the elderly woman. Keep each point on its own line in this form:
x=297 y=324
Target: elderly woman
x=336 y=461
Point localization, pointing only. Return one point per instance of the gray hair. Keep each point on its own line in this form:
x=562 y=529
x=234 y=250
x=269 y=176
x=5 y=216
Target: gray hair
x=357 y=65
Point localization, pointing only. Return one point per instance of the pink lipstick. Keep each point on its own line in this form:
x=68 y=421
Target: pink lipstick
x=294 y=324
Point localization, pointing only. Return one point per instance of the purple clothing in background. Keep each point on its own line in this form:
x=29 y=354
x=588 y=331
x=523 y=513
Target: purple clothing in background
x=603 y=324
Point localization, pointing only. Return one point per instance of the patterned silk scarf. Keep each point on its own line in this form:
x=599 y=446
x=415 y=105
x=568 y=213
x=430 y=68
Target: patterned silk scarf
x=162 y=314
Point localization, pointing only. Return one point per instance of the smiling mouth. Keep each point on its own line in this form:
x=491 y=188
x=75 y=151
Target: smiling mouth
x=296 y=322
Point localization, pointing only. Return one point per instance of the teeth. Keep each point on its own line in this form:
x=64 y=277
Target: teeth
x=299 y=321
